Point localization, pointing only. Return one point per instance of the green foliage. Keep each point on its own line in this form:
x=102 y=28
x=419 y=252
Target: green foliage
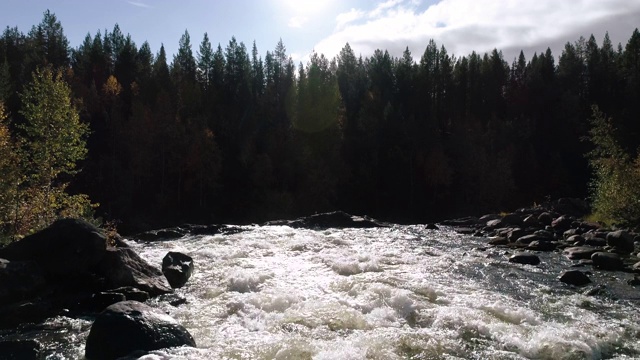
x=48 y=144
x=616 y=186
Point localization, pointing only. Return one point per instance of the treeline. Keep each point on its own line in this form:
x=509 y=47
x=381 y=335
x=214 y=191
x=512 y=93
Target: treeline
x=223 y=134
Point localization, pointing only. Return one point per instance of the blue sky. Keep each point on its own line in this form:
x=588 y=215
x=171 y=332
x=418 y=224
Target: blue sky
x=305 y=25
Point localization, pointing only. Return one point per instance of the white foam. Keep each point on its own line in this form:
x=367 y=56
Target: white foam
x=243 y=281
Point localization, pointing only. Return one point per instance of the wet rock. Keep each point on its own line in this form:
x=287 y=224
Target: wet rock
x=621 y=240
x=21 y=350
x=69 y=248
x=527 y=239
x=634 y=282
x=580 y=252
x=130 y=326
x=99 y=301
x=163 y=234
x=542 y=245
x=335 y=219
x=577 y=240
x=494 y=224
x=466 y=221
x=569 y=233
x=177 y=268
x=498 y=240
x=431 y=227
x=124 y=267
x=574 y=277
x=131 y=293
x=525 y=258
x=607 y=261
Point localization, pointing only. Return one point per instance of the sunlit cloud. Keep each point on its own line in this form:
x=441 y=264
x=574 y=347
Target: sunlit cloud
x=297 y=21
x=463 y=26
x=140 y=4
x=344 y=19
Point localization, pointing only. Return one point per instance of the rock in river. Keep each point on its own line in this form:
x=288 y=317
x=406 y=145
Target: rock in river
x=130 y=326
x=177 y=268
x=525 y=258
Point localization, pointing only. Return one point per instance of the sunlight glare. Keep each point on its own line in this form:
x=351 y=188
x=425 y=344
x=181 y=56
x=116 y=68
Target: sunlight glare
x=306 y=7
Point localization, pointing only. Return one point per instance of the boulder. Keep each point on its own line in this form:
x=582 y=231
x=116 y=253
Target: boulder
x=124 y=267
x=607 y=261
x=163 y=234
x=19 y=280
x=525 y=258
x=68 y=248
x=574 y=277
x=21 y=349
x=130 y=326
x=562 y=223
x=177 y=268
x=580 y=252
x=621 y=240
x=431 y=226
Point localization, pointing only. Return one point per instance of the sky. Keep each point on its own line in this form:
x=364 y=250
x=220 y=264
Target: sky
x=326 y=26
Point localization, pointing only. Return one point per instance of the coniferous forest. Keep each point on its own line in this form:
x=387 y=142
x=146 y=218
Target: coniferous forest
x=221 y=133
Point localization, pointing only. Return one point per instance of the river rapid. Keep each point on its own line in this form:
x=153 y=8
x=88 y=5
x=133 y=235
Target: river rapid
x=404 y=292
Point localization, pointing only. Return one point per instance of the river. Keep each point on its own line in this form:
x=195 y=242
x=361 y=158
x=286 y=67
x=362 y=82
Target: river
x=404 y=292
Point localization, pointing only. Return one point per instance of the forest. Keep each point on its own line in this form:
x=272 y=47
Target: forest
x=219 y=133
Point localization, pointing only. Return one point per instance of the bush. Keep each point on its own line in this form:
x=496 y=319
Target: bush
x=615 y=189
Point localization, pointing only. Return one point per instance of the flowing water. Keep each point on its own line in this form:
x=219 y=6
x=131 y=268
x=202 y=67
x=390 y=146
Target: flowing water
x=404 y=292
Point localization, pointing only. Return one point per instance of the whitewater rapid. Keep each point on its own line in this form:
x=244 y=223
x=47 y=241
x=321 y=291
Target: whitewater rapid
x=405 y=292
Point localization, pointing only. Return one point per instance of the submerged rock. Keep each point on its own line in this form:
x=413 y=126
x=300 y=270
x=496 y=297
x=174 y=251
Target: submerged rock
x=130 y=326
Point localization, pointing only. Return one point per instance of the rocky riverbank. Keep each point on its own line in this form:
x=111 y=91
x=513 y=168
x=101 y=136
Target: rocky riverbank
x=558 y=227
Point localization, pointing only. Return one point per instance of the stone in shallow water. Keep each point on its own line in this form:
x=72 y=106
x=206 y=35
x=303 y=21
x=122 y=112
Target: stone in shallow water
x=525 y=258
x=607 y=261
x=574 y=277
x=580 y=252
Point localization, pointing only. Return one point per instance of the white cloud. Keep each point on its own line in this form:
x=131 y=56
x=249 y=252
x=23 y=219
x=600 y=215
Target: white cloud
x=344 y=19
x=297 y=21
x=481 y=25
x=140 y=4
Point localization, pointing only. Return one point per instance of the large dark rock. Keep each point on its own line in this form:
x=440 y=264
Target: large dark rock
x=621 y=240
x=177 y=268
x=19 y=280
x=607 y=261
x=525 y=258
x=21 y=350
x=124 y=267
x=527 y=239
x=130 y=326
x=68 y=248
x=575 y=277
